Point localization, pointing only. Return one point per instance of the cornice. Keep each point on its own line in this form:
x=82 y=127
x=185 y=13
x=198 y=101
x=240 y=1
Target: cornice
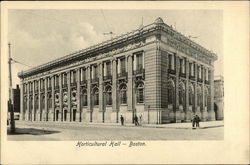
x=112 y=47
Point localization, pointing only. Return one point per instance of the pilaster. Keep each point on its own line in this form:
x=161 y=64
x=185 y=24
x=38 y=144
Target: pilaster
x=211 y=112
x=53 y=97
x=68 y=97
x=27 y=115
x=78 y=79
x=177 y=111
x=21 y=101
x=89 y=92
x=114 y=88
x=195 y=88
x=101 y=109
x=60 y=96
x=130 y=84
x=46 y=100
x=33 y=102
x=39 y=101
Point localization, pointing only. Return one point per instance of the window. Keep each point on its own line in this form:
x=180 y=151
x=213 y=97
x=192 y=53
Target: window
x=182 y=65
x=171 y=61
x=83 y=74
x=181 y=95
x=64 y=78
x=139 y=61
x=50 y=101
x=31 y=102
x=25 y=103
x=140 y=93
x=42 y=102
x=73 y=77
x=109 y=95
x=199 y=97
x=123 y=65
x=108 y=67
x=191 y=95
x=84 y=98
x=123 y=96
x=170 y=93
x=96 y=96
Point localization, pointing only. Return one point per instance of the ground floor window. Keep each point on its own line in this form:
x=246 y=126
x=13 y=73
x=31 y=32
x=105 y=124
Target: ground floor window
x=96 y=96
x=123 y=94
x=140 y=93
x=108 y=95
x=84 y=98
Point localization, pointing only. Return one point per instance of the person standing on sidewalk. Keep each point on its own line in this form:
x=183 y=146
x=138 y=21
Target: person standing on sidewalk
x=136 y=120
x=197 y=121
x=122 y=120
x=193 y=121
x=140 y=119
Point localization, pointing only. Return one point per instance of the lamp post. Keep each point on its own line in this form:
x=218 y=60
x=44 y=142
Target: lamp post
x=10 y=102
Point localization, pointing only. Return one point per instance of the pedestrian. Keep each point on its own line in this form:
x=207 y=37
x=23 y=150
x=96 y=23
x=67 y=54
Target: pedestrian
x=136 y=120
x=197 y=121
x=140 y=119
x=193 y=121
x=122 y=120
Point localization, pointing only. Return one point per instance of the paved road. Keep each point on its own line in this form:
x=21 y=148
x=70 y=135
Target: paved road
x=79 y=131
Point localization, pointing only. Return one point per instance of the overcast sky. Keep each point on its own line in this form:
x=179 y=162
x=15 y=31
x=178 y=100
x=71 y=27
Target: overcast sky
x=39 y=36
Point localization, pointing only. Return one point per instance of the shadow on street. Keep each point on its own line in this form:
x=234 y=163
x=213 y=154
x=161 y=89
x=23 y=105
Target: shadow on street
x=31 y=131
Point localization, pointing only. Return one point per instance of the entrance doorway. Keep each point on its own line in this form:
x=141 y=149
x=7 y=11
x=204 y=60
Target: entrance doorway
x=57 y=115
x=74 y=114
x=65 y=115
x=216 y=111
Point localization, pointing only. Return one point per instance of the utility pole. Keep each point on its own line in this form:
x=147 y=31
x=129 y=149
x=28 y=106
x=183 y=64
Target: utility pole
x=10 y=102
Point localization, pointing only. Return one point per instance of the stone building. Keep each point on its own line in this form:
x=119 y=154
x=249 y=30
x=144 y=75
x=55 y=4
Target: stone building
x=219 y=97
x=153 y=72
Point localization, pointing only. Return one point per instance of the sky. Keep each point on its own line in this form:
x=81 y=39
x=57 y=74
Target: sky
x=39 y=36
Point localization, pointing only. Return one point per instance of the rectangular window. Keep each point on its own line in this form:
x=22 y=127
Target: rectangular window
x=139 y=61
x=83 y=77
x=123 y=65
x=108 y=68
x=95 y=72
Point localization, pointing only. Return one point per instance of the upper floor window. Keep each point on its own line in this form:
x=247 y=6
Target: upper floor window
x=73 y=77
x=123 y=65
x=108 y=68
x=83 y=74
x=64 y=78
x=182 y=66
x=171 y=61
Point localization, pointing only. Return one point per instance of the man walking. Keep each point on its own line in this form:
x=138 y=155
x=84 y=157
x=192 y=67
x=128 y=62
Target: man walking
x=136 y=120
x=193 y=121
x=197 y=121
x=122 y=120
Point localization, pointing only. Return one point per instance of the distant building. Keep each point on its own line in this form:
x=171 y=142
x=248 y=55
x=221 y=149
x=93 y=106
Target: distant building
x=219 y=97
x=16 y=99
x=153 y=71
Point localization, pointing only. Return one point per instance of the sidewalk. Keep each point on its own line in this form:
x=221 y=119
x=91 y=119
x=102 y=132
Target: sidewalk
x=203 y=125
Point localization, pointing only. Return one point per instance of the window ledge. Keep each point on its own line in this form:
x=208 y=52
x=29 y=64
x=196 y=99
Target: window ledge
x=123 y=104
x=140 y=103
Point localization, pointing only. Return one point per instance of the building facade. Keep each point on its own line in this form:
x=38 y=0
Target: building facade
x=153 y=72
x=219 y=97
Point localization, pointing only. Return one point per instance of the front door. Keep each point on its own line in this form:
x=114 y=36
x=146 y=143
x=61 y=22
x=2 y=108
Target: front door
x=74 y=115
x=65 y=115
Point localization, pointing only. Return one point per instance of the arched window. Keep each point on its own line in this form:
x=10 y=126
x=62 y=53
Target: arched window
x=191 y=95
x=140 y=93
x=199 y=97
x=49 y=101
x=25 y=103
x=206 y=97
x=43 y=102
x=170 y=92
x=36 y=102
x=123 y=94
x=108 y=95
x=181 y=94
x=84 y=98
x=96 y=96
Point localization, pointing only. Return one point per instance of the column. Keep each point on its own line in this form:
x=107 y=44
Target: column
x=212 y=113
x=46 y=99
x=142 y=60
x=60 y=95
x=21 y=101
x=195 y=87
x=101 y=92
x=28 y=102
x=78 y=88
x=135 y=62
x=39 y=100
x=188 y=113
x=130 y=88
x=114 y=89
x=92 y=72
x=81 y=74
x=203 y=110
x=69 y=113
x=53 y=97
x=89 y=92
x=33 y=102
x=119 y=66
x=105 y=69
x=176 y=106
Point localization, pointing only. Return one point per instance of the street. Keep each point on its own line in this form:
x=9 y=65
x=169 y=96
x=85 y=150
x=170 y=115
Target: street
x=59 y=131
